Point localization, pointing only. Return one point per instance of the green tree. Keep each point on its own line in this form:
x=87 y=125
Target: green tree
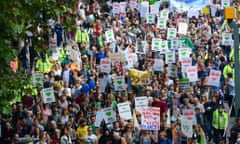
x=14 y=17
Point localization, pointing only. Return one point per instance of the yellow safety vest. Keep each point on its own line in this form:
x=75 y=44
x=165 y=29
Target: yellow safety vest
x=220 y=121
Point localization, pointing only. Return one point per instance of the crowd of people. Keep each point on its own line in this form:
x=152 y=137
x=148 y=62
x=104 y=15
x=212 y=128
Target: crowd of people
x=82 y=90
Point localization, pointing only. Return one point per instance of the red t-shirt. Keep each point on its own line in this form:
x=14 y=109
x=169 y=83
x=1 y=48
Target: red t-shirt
x=162 y=105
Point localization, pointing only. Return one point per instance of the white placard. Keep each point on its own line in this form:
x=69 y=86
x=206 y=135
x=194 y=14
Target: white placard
x=225 y=3
x=105 y=65
x=171 y=33
x=189 y=114
x=161 y=23
x=141 y=47
x=108 y=115
x=187 y=127
x=123 y=6
x=99 y=118
x=182 y=28
x=116 y=8
x=158 y=65
x=164 y=14
x=184 y=53
x=155 y=8
x=141 y=102
x=102 y=84
x=174 y=43
x=214 y=78
x=170 y=57
x=130 y=59
x=172 y=71
x=119 y=83
x=192 y=73
x=144 y=8
x=156 y=44
x=185 y=63
x=164 y=46
x=193 y=13
x=124 y=110
x=48 y=95
x=109 y=36
x=133 y=3
x=150 y=118
x=227 y=39
x=150 y=19
x=38 y=79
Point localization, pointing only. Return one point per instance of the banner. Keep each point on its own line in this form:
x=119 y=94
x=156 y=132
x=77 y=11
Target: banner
x=138 y=77
x=214 y=78
x=119 y=83
x=192 y=73
x=108 y=115
x=38 y=79
x=187 y=127
x=48 y=95
x=161 y=23
x=124 y=110
x=182 y=28
x=116 y=57
x=150 y=118
x=158 y=65
x=156 y=44
x=141 y=47
x=105 y=65
x=141 y=102
x=185 y=5
x=109 y=36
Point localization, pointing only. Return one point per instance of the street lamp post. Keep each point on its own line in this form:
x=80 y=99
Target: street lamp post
x=236 y=68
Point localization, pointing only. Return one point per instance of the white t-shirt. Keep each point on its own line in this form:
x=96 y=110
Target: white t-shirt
x=66 y=75
x=90 y=139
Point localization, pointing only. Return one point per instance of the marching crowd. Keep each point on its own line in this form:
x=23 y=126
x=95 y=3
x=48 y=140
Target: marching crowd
x=84 y=63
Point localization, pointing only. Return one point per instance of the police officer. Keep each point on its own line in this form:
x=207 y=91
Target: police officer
x=219 y=123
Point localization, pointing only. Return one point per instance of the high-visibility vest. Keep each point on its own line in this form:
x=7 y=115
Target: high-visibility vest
x=43 y=67
x=81 y=36
x=228 y=69
x=220 y=121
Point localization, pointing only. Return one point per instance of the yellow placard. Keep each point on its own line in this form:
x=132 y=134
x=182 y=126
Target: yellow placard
x=206 y=10
x=229 y=12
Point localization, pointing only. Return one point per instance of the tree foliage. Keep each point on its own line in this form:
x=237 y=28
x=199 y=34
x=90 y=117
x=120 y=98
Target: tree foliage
x=14 y=17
